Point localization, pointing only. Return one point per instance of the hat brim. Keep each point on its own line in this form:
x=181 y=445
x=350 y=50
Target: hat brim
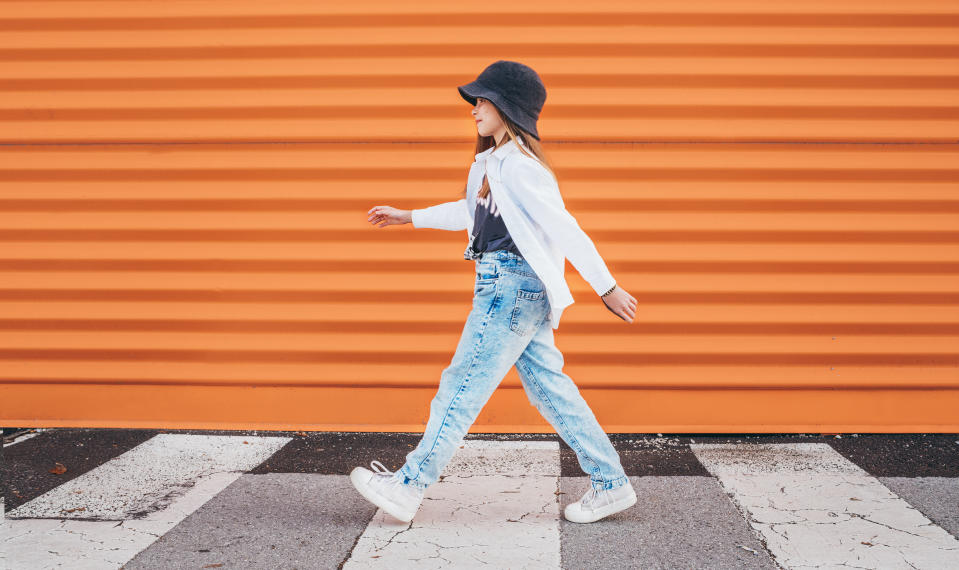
x=473 y=89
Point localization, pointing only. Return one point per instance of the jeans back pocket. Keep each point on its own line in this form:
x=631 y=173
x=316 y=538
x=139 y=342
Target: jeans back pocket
x=529 y=310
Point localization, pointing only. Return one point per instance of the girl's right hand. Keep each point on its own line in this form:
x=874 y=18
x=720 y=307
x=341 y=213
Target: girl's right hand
x=388 y=215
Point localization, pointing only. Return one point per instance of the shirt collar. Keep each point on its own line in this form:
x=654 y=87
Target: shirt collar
x=502 y=151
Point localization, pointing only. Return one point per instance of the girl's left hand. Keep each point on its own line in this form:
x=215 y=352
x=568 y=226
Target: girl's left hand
x=621 y=304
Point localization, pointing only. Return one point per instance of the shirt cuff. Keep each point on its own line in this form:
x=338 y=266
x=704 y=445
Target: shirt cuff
x=604 y=285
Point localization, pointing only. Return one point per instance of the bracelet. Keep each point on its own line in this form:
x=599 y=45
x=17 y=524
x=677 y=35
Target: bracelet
x=610 y=290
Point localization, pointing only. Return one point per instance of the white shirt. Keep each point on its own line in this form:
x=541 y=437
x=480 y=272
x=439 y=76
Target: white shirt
x=532 y=208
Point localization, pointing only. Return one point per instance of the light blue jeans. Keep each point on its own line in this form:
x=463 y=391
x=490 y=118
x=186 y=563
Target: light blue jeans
x=509 y=325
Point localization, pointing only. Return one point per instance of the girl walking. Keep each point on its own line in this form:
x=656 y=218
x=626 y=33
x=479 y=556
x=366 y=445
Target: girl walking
x=520 y=235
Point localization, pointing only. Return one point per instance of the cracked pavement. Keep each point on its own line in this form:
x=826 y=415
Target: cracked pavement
x=189 y=500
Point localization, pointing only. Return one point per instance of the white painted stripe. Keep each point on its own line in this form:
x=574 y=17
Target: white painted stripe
x=149 y=476
x=815 y=508
x=150 y=488
x=496 y=505
x=24 y=436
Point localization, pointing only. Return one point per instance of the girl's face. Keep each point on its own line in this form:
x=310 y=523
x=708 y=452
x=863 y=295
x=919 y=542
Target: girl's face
x=487 y=119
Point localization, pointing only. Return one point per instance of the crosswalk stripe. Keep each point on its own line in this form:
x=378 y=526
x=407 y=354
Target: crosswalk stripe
x=149 y=489
x=815 y=508
x=149 y=476
x=495 y=505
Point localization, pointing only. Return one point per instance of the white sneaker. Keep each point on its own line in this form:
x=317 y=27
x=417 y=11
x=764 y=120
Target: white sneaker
x=600 y=503
x=386 y=490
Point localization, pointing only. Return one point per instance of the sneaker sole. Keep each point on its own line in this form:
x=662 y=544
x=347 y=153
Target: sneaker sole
x=394 y=510
x=620 y=505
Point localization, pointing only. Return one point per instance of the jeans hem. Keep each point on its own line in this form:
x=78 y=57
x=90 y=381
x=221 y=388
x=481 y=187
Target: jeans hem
x=413 y=483
x=612 y=484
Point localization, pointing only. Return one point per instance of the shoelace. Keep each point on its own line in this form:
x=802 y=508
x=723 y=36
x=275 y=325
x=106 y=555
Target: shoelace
x=382 y=471
x=593 y=495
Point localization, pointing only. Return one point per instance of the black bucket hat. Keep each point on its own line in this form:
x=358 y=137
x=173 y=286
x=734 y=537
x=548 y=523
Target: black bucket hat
x=514 y=88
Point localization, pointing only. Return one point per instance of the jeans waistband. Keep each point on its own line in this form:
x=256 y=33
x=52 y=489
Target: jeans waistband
x=501 y=254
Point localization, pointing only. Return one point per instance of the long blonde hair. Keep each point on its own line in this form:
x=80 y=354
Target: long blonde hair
x=513 y=132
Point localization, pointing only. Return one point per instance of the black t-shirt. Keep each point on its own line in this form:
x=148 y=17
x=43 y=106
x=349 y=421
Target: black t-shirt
x=489 y=231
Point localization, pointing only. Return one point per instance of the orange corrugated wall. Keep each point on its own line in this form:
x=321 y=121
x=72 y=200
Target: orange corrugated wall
x=184 y=242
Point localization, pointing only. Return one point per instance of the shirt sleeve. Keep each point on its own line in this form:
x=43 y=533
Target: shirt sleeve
x=535 y=189
x=451 y=216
